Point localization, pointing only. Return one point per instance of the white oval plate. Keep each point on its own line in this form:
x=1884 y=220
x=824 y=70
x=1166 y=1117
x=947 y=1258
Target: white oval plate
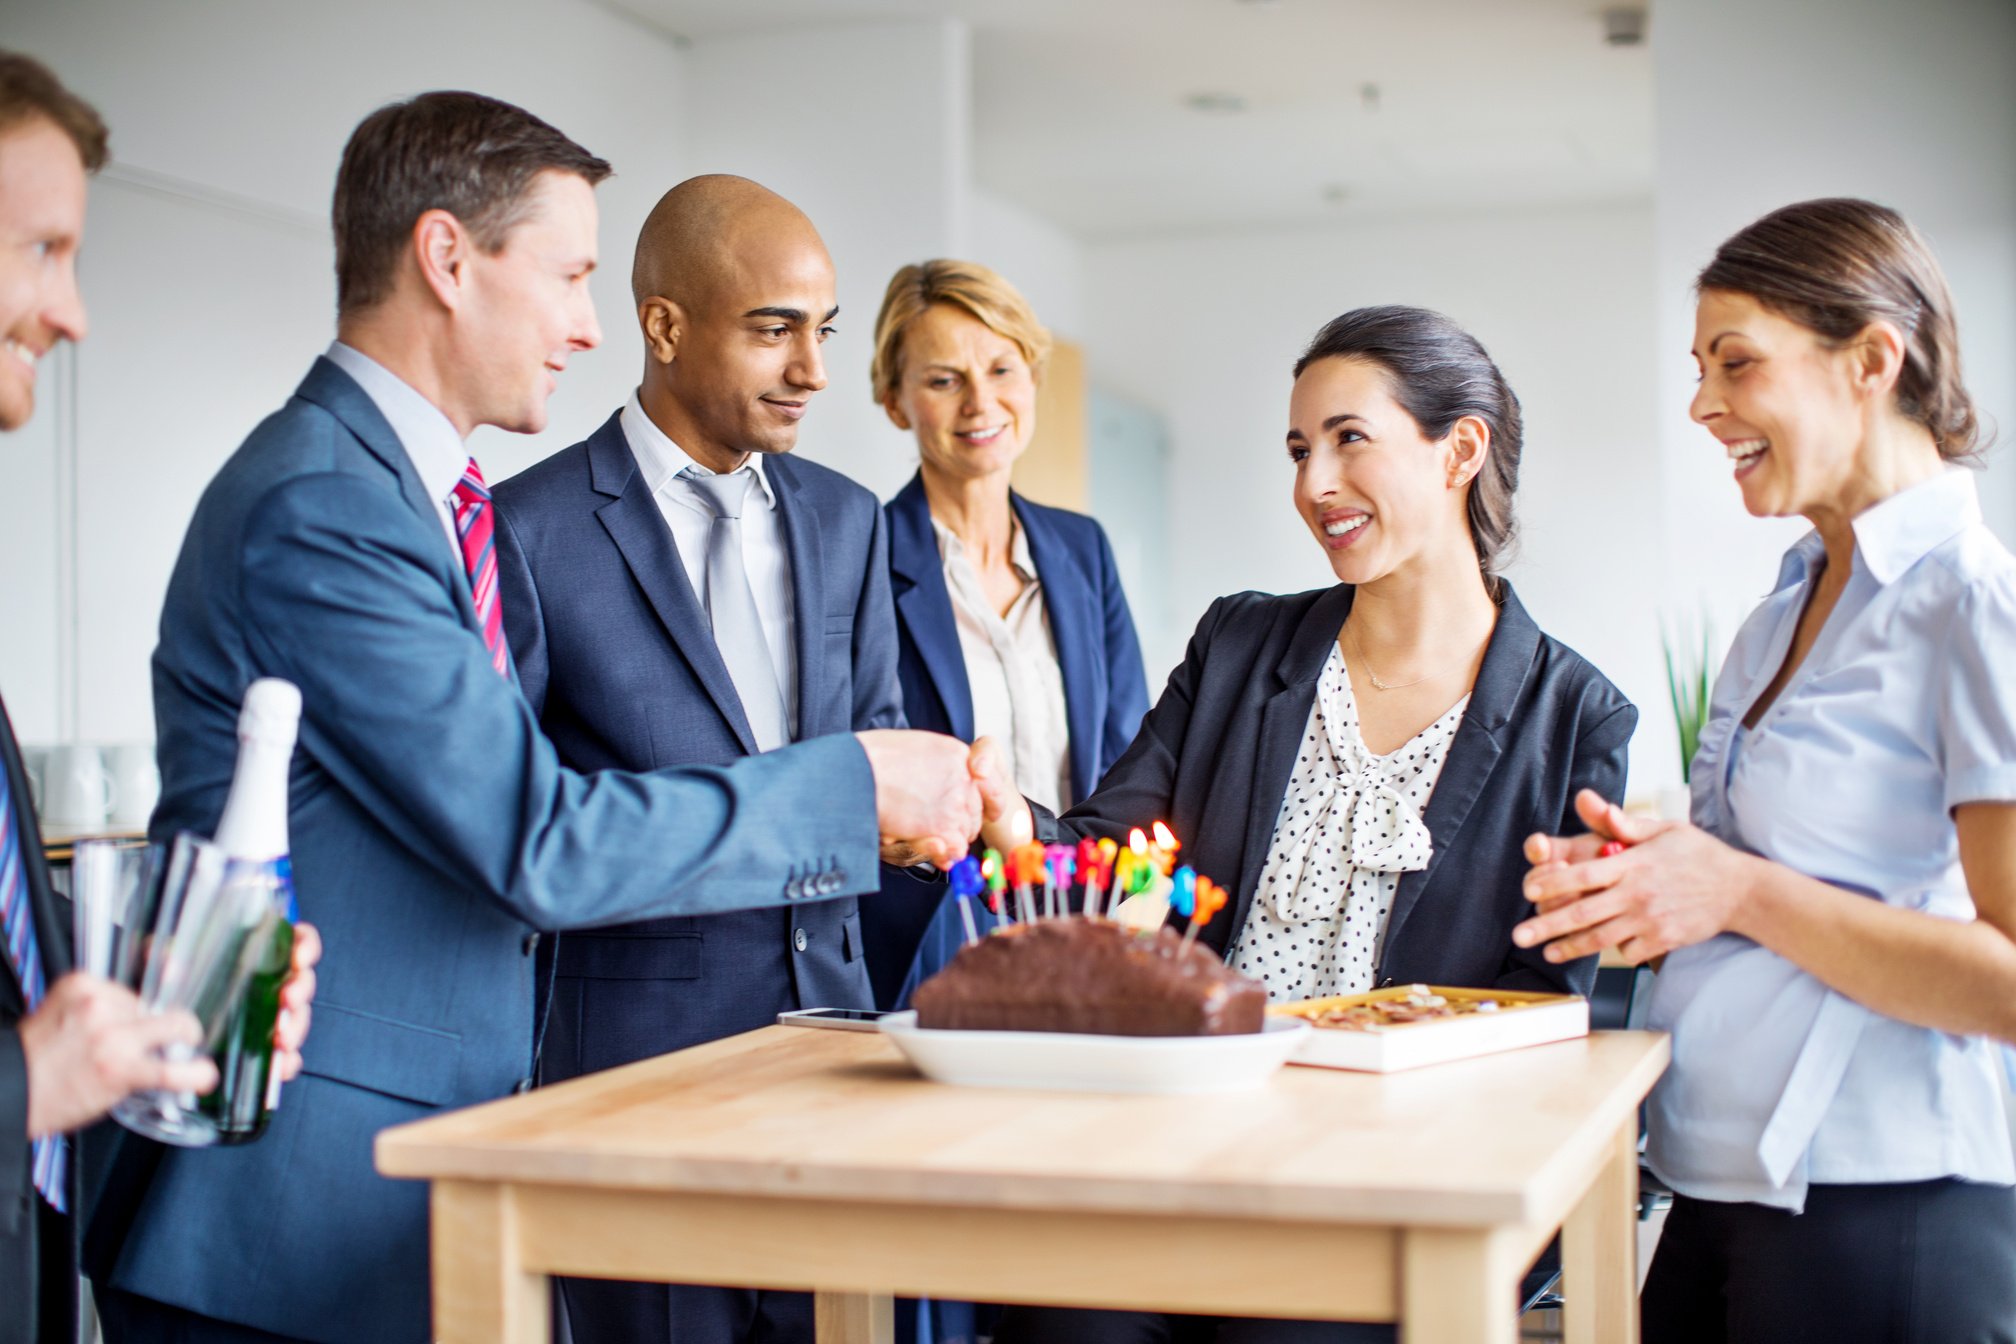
x=1074 y=1062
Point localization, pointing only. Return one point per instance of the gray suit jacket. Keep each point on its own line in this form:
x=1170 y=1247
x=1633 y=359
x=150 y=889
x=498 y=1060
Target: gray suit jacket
x=433 y=830
x=619 y=662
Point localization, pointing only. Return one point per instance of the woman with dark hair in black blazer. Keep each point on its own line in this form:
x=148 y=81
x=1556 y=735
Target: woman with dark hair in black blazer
x=1361 y=764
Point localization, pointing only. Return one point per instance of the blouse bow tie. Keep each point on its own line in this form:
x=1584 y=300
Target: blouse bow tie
x=1371 y=826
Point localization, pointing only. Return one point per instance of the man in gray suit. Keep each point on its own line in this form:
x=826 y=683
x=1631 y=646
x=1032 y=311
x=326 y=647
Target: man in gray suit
x=679 y=590
x=348 y=546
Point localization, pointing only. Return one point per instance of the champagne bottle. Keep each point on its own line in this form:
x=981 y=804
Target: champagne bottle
x=252 y=834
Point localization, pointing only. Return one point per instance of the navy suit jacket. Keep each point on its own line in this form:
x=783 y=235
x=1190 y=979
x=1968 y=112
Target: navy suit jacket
x=618 y=660
x=1215 y=755
x=433 y=828
x=37 y=1250
x=1105 y=687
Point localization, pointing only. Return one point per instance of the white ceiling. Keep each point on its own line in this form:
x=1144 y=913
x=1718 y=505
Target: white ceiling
x=1079 y=111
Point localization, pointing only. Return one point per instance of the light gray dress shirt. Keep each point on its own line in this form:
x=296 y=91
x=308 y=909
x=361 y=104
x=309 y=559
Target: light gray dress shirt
x=765 y=554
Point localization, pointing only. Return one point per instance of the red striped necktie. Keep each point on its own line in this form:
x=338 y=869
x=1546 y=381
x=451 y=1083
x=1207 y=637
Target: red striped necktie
x=477 y=530
x=48 y=1156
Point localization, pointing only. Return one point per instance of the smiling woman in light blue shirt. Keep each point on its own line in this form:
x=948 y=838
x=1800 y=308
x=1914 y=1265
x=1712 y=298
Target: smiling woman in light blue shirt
x=1841 y=914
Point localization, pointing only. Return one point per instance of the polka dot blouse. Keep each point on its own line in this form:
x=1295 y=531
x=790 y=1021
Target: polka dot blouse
x=1350 y=824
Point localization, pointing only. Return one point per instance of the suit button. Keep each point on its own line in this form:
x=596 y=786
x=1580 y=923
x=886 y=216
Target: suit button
x=523 y=1085
x=794 y=889
x=530 y=944
x=800 y=939
x=838 y=880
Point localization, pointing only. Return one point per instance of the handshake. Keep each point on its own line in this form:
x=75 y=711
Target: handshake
x=934 y=793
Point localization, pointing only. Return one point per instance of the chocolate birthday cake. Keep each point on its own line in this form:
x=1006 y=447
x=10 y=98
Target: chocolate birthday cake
x=1090 y=975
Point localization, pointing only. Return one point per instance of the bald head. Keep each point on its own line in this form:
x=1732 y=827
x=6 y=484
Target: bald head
x=707 y=233
x=735 y=297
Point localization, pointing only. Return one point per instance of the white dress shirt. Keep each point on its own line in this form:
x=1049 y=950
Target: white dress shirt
x=1012 y=669
x=765 y=555
x=437 y=452
x=1350 y=824
x=1903 y=710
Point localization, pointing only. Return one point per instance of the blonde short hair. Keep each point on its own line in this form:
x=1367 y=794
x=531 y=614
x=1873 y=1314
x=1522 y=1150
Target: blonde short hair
x=967 y=286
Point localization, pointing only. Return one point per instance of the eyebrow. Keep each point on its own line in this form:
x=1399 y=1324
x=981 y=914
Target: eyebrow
x=1339 y=419
x=1718 y=339
x=791 y=314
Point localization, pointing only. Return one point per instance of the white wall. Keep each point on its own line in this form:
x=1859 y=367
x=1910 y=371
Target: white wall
x=1763 y=104
x=1207 y=329
x=865 y=128
x=1040 y=259
x=207 y=267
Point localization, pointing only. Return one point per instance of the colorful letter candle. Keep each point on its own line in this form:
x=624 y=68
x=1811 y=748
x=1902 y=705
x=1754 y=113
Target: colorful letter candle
x=1141 y=873
x=1026 y=872
x=968 y=882
x=992 y=871
x=1207 y=899
x=1060 y=865
x=1089 y=870
x=1163 y=851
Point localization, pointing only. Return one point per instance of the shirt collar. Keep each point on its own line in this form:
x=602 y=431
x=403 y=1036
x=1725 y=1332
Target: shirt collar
x=661 y=460
x=1896 y=533
x=949 y=546
x=437 y=452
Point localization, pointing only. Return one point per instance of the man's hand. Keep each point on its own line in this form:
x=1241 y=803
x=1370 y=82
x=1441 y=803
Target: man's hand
x=1005 y=821
x=924 y=793
x=295 y=997
x=91 y=1044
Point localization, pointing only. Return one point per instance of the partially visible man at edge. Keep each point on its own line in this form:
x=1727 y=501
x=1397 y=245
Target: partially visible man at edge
x=347 y=546
x=679 y=588
x=71 y=1044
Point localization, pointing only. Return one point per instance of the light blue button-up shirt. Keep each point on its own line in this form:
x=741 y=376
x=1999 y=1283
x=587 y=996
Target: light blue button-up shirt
x=1904 y=709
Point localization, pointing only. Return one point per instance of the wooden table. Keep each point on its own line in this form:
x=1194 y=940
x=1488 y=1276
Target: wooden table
x=808 y=1159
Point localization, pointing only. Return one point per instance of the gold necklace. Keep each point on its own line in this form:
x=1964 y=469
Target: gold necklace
x=1379 y=685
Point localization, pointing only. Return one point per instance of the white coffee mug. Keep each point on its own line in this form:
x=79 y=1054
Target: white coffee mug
x=136 y=784
x=35 y=760
x=76 y=791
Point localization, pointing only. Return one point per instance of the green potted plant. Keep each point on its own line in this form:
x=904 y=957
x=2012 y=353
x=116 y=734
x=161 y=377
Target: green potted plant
x=1687 y=683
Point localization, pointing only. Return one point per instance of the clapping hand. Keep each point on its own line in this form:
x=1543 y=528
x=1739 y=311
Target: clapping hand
x=1671 y=886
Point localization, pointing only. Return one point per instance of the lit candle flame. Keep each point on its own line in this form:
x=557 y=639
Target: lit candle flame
x=1165 y=839
x=1137 y=841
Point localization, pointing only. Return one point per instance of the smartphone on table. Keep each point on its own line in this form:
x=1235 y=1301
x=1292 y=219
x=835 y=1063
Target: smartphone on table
x=844 y=1019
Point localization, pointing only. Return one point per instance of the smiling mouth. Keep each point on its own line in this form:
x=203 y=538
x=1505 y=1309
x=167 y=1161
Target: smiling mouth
x=1346 y=527
x=979 y=438
x=22 y=353
x=1747 y=453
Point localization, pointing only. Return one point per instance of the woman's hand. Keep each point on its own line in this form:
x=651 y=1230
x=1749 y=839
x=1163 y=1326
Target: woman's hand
x=1006 y=821
x=1675 y=885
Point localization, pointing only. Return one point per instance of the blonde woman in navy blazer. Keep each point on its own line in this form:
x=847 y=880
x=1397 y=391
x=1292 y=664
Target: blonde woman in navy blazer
x=958 y=354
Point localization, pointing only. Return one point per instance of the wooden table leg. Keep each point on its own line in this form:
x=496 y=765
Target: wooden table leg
x=1599 y=1252
x=1455 y=1289
x=483 y=1294
x=854 y=1318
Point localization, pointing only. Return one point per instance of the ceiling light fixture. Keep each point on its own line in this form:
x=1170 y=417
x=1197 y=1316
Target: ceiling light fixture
x=1214 y=101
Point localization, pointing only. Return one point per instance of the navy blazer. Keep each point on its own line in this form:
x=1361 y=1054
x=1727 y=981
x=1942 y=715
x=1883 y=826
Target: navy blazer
x=616 y=655
x=1105 y=687
x=1215 y=755
x=433 y=828
x=29 y=1232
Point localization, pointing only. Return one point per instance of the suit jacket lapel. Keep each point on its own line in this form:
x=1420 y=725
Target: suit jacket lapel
x=925 y=605
x=337 y=392
x=633 y=522
x=1074 y=624
x=801 y=542
x=1282 y=722
x=1473 y=755
x=52 y=934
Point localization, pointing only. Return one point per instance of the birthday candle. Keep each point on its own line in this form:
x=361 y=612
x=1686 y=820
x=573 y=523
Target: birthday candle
x=997 y=881
x=1088 y=869
x=1064 y=865
x=1028 y=860
x=967 y=882
x=1164 y=849
x=1208 y=900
